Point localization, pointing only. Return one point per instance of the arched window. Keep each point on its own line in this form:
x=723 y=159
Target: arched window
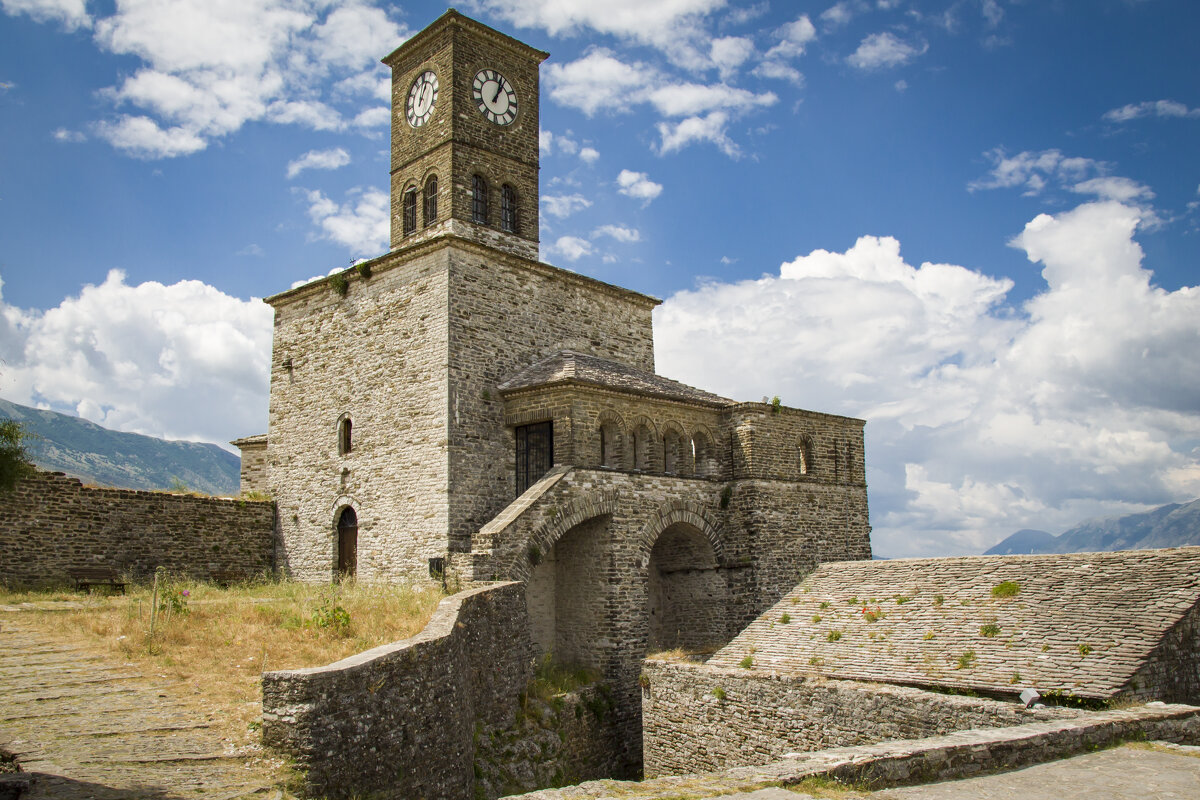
x=345 y=428
x=508 y=208
x=430 y=201
x=410 y=210
x=347 y=555
x=479 y=200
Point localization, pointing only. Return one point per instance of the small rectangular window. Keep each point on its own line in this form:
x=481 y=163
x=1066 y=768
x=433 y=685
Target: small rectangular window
x=535 y=453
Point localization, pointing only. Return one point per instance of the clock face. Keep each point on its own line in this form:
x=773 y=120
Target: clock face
x=495 y=96
x=421 y=98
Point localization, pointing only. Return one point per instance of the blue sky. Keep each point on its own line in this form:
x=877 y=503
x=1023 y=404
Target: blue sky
x=974 y=223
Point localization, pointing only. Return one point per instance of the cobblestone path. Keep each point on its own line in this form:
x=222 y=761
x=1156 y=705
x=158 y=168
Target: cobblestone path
x=89 y=728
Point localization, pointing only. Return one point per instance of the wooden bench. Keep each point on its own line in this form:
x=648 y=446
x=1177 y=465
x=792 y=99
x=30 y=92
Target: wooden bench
x=87 y=577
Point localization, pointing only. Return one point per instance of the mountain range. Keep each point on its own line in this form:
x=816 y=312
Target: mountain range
x=1172 y=525
x=96 y=455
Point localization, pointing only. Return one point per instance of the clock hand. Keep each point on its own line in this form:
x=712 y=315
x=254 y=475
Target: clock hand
x=496 y=96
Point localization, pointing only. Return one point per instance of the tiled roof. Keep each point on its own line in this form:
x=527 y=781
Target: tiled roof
x=260 y=438
x=570 y=367
x=1083 y=622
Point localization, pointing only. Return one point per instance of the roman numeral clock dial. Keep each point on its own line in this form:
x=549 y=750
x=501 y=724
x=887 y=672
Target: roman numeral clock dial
x=495 y=96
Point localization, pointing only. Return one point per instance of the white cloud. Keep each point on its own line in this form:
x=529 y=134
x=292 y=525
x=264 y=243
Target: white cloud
x=207 y=67
x=71 y=14
x=64 y=135
x=884 y=51
x=676 y=27
x=730 y=52
x=709 y=128
x=638 y=185
x=992 y=12
x=564 y=205
x=1032 y=170
x=779 y=71
x=598 y=82
x=841 y=13
x=184 y=361
x=619 y=232
x=1155 y=108
x=572 y=248
x=318 y=159
x=982 y=419
x=687 y=99
x=362 y=224
x=901 y=85
x=589 y=155
x=793 y=37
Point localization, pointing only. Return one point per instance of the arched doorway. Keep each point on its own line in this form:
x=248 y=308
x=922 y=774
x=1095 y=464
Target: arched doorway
x=347 y=554
x=686 y=592
x=566 y=596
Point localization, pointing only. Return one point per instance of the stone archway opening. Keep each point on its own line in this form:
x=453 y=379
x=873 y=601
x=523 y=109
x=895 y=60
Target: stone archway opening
x=686 y=593
x=566 y=596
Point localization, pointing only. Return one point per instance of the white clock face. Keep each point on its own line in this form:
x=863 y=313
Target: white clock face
x=495 y=96
x=421 y=98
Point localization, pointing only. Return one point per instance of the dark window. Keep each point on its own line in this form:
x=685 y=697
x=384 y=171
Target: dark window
x=479 y=200
x=508 y=209
x=431 y=200
x=345 y=428
x=347 y=527
x=410 y=210
x=535 y=453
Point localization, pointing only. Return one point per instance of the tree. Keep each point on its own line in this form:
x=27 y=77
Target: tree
x=14 y=461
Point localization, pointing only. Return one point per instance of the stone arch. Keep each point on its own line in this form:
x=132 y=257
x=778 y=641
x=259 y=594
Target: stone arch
x=677 y=449
x=686 y=591
x=704 y=450
x=612 y=437
x=343 y=541
x=677 y=512
x=643 y=434
x=566 y=586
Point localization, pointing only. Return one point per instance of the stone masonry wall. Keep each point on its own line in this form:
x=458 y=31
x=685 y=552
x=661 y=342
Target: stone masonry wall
x=444 y=714
x=59 y=524
x=506 y=313
x=697 y=718
x=1172 y=673
x=378 y=355
x=254 y=463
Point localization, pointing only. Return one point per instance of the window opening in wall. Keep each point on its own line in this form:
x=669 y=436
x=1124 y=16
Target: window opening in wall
x=345 y=429
x=479 y=200
x=604 y=445
x=806 y=462
x=508 y=209
x=410 y=210
x=669 y=464
x=430 y=209
x=535 y=453
x=347 y=526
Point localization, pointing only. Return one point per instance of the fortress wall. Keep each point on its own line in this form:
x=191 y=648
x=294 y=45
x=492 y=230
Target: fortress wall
x=1172 y=673
x=761 y=716
x=767 y=444
x=438 y=715
x=61 y=524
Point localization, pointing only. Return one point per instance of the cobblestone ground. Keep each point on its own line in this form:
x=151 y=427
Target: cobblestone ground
x=88 y=728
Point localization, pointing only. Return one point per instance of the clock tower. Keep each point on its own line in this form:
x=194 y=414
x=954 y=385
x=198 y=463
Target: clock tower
x=465 y=137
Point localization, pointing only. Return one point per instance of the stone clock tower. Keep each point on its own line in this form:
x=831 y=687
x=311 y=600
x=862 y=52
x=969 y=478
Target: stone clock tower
x=465 y=137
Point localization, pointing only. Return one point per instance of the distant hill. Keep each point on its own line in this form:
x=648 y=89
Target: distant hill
x=1172 y=525
x=62 y=443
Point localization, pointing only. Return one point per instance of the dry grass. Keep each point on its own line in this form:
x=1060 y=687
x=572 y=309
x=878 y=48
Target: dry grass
x=216 y=642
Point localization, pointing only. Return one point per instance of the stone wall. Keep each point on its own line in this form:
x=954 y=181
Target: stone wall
x=1172 y=673
x=58 y=524
x=443 y=714
x=254 y=463
x=937 y=758
x=697 y=718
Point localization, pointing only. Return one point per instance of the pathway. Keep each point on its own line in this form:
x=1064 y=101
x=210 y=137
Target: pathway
x=91 y=729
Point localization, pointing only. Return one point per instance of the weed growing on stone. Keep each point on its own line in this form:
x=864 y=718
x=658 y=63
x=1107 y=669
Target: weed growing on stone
x=338 y=283
x=902 y=599
x=816 y=618
x=718 y=693
x=1084 y=648
x=989 y=630
x=938 y=599
x=833 y=636
x=853 y=600
x=824 y=604
x=785 y=619
x=928 y=635
x=966 y=660
x=1016 y=678
x=1006 y=589
x=364 y=269
x=747 y=662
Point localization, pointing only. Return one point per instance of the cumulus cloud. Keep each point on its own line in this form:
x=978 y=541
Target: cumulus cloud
x=184 y=361
x=638 y=185
x=68 y=136
x=362 y=224
x=709 y=128
x=730 y=52
x=589 y=155
x=564 y=205
x=204 y=68
x=572 y=248
x=884 y=51
x=676 y=28
x=982 y=418
x=318 y=159
x=71 y=14
x=619 y=232
x=1156 y=108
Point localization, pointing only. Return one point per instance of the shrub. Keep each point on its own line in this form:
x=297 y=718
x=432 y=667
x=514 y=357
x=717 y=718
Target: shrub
x=1006 y=589
x=776 y=403
x=364 y=269
x=337 y=281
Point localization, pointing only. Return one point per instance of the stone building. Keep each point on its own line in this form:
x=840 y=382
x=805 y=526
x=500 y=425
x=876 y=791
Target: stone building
x=458 y=407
